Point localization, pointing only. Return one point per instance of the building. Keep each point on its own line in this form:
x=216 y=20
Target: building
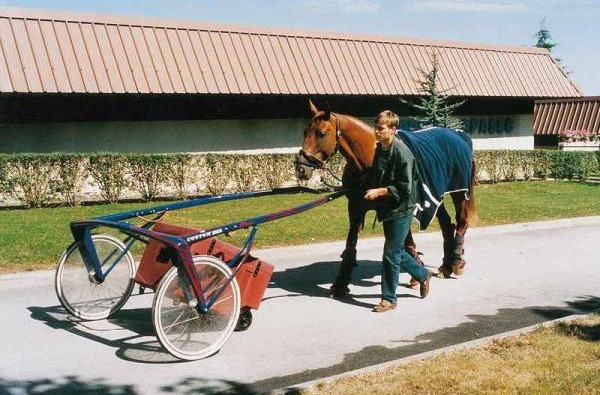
x=85 y=82
x=577 y=116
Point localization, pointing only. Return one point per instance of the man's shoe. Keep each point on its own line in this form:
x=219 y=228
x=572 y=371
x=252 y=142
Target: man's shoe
x=424 y=288
x=413 y=282
x=384 y=305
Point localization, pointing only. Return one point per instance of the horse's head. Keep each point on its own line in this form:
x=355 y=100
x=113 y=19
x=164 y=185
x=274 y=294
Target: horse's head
x=320 y=142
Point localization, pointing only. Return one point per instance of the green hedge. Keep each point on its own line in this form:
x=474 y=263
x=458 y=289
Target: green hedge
x=506 y=165
x=45 y=179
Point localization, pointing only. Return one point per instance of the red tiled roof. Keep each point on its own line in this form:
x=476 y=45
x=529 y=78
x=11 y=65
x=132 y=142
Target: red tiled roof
x=48 y=51
x=555 y=116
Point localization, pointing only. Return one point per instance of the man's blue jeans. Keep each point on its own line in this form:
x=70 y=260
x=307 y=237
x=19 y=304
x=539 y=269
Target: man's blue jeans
x=395 y=258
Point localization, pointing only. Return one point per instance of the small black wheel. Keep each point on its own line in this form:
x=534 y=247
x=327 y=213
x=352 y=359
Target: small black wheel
x=245 y=320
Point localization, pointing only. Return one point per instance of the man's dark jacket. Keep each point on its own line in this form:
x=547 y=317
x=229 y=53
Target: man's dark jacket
x=400 y=177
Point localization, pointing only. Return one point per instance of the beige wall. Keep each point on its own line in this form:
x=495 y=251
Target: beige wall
x=282 y=135
x=521 y=138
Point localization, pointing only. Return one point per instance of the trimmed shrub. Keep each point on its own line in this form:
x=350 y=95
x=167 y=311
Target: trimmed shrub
x=179 y=173
x=4 y=184
x=245 y=171
x=71 y=175
x=32 y=178
x=219 y=169
x=148 y=174
x=42 y=179
x=488 y=165
x=109 y=173
x=275 y=170
x=570 y=165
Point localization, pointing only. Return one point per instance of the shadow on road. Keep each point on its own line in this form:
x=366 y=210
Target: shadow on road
x=67 y=386
x=134 y=324
x=314 y=280
x=137 y=321
x=480 y=326
x=72 y=385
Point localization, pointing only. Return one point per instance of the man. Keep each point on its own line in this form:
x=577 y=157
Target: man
x=393 y=189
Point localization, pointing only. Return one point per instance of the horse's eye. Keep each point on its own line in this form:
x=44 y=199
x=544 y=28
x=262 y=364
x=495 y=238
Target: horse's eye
x=321 y=134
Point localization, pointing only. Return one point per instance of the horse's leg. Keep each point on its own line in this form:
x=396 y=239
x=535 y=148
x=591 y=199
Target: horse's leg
x=356 y=215
x=462 y=223
x=411 y=248
x=447 y=228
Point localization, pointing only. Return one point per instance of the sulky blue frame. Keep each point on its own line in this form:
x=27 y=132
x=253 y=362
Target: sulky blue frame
x=179 y=247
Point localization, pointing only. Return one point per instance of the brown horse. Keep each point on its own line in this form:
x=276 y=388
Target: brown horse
x=329 y=132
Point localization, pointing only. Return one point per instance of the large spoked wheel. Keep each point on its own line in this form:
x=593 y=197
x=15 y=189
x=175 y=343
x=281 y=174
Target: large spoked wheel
x=81 y=294
x=183 y=331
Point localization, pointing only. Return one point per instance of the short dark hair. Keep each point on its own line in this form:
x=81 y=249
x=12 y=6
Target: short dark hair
x=387 y=118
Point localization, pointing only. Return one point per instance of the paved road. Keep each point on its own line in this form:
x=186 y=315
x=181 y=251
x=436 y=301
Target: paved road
x=516 y=276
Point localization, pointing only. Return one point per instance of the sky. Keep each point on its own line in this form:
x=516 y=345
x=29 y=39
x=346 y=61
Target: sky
x=573 y=24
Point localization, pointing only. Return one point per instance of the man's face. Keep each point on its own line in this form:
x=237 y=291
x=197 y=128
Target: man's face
x=384 y=134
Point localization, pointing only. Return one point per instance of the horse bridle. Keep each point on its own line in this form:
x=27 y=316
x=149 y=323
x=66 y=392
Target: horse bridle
x=311 y=159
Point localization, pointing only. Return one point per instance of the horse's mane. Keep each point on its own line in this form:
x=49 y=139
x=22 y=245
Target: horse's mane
x=358 y=122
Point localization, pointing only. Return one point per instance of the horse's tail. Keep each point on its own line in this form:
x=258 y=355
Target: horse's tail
x=471 y=205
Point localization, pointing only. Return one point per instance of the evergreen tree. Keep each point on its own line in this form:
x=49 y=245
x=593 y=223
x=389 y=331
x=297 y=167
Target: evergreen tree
x=544 y=39
x=434 y=107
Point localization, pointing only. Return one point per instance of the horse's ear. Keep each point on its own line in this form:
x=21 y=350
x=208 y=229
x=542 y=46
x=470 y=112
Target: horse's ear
x=327 y=111
x=313 y=109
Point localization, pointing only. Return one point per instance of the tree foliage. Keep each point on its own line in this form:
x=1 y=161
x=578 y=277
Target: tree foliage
x=434 y=107
x=544 y=39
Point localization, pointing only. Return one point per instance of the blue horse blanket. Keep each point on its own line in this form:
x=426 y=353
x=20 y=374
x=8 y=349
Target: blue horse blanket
x=444 y=160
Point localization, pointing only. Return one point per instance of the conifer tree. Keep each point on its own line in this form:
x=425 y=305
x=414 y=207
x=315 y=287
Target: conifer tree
x=434 y=107
x=544 y=39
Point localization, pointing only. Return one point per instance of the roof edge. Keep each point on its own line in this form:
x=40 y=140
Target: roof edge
x=47 y=14
x=568 y=99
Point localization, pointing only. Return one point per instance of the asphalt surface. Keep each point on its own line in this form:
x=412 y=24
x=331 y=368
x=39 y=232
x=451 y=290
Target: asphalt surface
x=516 y=276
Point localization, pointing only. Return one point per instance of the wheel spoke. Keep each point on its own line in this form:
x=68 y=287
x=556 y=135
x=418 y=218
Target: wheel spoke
x=85 y=298
x=201 y=334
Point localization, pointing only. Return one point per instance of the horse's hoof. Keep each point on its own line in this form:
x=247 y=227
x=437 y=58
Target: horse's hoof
x=338 y=291
x=458 y=268
x=444 y=272
x=338 y=294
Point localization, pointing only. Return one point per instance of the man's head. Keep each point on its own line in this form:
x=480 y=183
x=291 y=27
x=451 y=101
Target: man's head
x=386 y=124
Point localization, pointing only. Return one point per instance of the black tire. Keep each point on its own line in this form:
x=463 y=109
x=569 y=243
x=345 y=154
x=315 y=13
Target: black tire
x=86 y=298
x=245 y=320
x=181 y=329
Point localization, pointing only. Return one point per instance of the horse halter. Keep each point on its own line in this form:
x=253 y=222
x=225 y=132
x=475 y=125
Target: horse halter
x=311 y=159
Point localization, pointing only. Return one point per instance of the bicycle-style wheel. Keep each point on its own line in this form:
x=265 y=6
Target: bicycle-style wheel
x=181 y=329
x=81 y=294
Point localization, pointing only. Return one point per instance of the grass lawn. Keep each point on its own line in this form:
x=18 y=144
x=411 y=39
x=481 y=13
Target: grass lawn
x=35 y=239
x=563 y=359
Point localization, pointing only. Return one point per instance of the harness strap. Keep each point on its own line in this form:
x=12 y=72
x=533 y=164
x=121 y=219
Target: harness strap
x=340 y=142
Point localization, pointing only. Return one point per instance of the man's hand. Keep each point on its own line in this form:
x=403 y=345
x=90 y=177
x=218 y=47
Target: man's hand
x=376 y=193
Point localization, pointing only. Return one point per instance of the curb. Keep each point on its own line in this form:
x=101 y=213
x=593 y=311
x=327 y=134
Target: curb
x=429 y=354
